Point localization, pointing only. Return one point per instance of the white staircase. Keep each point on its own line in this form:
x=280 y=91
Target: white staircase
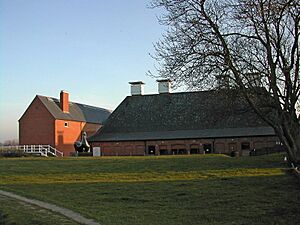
x=43 y=150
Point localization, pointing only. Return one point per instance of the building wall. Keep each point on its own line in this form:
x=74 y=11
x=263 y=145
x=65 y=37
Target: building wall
x=121 y=148
x=36 y=126
x=241 y=145
x=91 y=128
x=67 y=132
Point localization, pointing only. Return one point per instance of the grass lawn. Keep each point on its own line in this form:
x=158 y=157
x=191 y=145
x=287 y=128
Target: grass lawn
x=16 y=212
x=165 y=190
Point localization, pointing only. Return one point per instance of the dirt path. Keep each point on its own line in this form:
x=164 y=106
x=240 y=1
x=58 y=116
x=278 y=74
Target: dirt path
x=66 y=212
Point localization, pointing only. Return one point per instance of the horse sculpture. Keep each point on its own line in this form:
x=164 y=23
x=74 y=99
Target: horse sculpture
x=83 y=145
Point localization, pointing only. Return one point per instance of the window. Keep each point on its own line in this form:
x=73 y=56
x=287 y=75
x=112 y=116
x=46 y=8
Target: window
x=66 y=124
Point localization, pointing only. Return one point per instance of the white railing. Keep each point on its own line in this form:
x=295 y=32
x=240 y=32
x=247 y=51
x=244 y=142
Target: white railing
x=54 y=151
x=43 y=150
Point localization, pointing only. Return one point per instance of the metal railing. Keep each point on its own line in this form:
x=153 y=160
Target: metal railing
x=43 y=150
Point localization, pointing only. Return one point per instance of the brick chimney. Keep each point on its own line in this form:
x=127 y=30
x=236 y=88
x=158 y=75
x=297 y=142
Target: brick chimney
x=64 y=101
x=164 y=86
x=137 y=88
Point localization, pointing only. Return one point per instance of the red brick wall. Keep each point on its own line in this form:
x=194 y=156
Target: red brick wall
x=65 y=136
x=221 y=145
x=121 y=148
x=36 y=126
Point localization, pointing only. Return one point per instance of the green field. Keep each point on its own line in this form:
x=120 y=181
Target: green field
x=165 y=190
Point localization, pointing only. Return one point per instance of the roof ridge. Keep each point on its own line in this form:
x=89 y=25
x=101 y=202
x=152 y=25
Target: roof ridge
x=78 y=111
x=76 y=103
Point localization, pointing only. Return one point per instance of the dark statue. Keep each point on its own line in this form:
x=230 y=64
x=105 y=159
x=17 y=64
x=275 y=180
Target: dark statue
x=83 y=145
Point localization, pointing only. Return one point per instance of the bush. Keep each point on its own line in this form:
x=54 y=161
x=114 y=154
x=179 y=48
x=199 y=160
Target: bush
x=11 y=153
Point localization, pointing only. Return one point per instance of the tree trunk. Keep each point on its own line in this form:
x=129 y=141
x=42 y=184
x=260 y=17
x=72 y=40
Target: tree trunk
x=289 y=135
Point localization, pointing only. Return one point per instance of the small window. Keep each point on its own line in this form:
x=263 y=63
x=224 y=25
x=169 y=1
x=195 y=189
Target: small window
x=66 y=124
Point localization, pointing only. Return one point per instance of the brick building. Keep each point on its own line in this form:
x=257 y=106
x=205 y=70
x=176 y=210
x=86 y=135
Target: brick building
x=59 y=123
x=182 y=123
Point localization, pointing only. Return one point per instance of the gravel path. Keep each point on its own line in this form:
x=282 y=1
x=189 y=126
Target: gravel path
x=66 y=212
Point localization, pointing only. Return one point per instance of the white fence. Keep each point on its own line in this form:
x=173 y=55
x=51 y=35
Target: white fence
x=43 y=150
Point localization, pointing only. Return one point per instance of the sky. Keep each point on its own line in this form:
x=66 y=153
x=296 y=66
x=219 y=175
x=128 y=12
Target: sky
x=91 y=48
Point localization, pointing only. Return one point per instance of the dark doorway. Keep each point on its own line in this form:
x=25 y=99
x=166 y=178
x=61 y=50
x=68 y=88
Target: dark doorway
x=163 y=152
x=182 y=151
x=245 y=146
x=207 y=148
x=174 y=151
x=194 y=149
x=178 y=149
x=151 y=150
x=232 y=147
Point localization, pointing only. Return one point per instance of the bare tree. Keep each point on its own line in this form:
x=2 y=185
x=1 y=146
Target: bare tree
x=11 y=142
x=247 y=43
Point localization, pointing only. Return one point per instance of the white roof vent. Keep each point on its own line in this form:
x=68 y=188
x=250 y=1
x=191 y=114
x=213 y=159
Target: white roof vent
x=137 y=87
x=164 y=86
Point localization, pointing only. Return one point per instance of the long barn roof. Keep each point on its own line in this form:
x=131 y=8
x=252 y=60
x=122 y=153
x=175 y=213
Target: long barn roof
x=203 y=114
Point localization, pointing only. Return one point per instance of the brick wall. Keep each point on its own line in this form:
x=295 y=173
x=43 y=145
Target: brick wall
x=122 y=148
x=67 y=132
x=36 y=126
x=241 y=145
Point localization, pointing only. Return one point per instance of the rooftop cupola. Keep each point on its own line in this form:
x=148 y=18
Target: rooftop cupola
x=164 y=86
x=137 y=87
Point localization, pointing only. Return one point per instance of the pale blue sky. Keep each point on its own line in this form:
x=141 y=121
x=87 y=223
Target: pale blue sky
x=91 y=48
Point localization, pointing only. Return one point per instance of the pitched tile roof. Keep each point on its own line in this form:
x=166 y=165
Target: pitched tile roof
x=78 y=112
x=203 y=114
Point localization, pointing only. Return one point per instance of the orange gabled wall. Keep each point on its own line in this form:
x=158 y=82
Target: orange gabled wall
x=36 y=126
x=66 y=136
